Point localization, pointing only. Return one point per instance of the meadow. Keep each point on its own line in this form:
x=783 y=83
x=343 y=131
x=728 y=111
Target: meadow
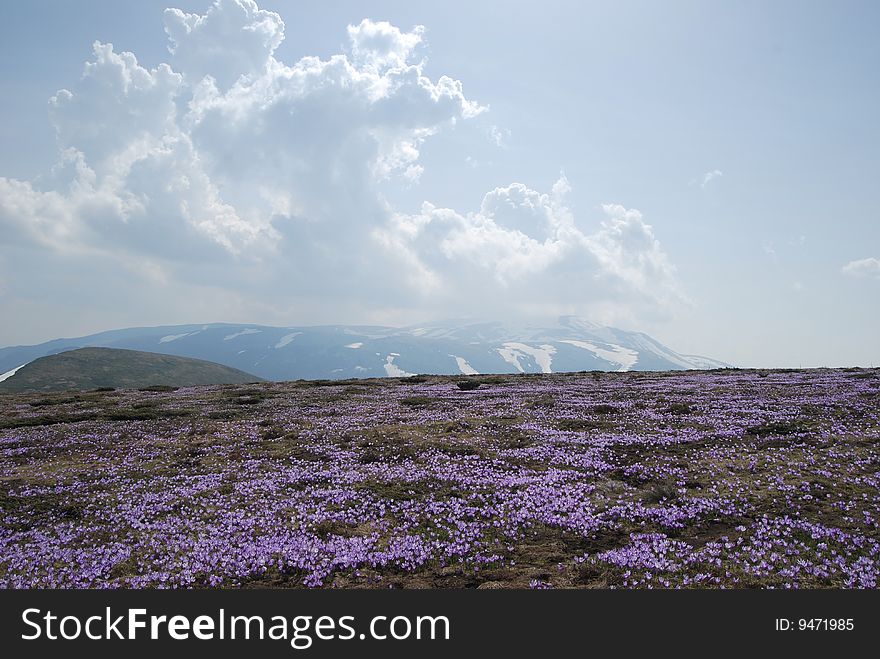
x=727 y=478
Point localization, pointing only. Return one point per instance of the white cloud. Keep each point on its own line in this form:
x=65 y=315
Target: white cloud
x=234 y=38
x=522 y=250
x=381 y=45
x=226 y=139
x=626 y=247
x=499 y=136
x=708 y=177
x=254 y=186
x=863 y=268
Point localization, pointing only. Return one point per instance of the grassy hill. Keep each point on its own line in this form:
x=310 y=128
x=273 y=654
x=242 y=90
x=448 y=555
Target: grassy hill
x=91 y=368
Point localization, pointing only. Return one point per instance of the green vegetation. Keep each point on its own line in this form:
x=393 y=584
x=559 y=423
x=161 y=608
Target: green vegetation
x=103 y=369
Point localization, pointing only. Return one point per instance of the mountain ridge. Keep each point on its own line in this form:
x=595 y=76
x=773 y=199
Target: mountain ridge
x=344 y=351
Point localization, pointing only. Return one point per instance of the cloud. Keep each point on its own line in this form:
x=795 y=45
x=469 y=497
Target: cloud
x=381 y=45
x=182 y=151
x=863 y=268
x=260 y=186
x=234 y=38
x=498 y=136
x=708 y=177
x=524 y=250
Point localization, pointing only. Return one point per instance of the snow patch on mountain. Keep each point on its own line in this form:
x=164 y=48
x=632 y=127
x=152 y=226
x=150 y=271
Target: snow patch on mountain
x=392 y=369
x=625 y=357
x=173 y=337
x=9 y=374
x=464 y=367
x=243 y=332
x=513 y=351
x=286 y=339
x=511 y=357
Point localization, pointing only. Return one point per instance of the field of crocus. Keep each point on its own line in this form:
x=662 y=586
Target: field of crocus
x=728 y=478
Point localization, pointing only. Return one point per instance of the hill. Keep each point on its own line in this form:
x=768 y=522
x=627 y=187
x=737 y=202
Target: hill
x=91 y=368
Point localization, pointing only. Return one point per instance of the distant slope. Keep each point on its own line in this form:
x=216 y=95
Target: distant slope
x=89 y=368
x=356 y=351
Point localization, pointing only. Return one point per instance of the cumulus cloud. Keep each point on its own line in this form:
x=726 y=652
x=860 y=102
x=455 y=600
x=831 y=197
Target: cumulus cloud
x=523 y=250
x=381 y=45
x=257 y=184
x=234 y=38
x=863 y=268
x=225 y=145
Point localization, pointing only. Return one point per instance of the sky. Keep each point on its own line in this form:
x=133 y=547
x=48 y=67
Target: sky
x=705 y=172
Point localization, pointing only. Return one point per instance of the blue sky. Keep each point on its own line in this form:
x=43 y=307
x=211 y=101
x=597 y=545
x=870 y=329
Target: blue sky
x=705 y=172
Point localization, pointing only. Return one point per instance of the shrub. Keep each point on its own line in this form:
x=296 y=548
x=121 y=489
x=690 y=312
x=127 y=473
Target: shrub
x=792 y=427
x=45 y=402
x=415 y=401
x=604 y=409
x=678 y=408
x=661 y=491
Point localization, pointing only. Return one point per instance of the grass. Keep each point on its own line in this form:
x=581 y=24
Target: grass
x=631 y=449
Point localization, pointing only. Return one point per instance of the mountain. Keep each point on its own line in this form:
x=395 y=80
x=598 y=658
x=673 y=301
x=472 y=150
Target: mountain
x=344 y=351
x=89 y=368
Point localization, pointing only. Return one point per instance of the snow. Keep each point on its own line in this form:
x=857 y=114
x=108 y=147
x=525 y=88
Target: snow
x=287 y=338
x=392 y=369
x=464 y=367
x=543 y=355
x=174 y=337
x=241 y=333
x=624 y=357
x=9 y=374
x=511 y=357
x=355 y=345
